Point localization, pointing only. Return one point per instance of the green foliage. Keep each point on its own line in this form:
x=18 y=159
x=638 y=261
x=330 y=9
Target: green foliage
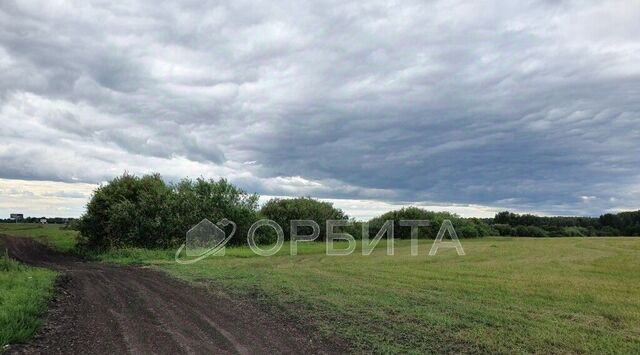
x=128 y=211
x=628 y=223
x=534 y=231
x=465 y=227
x=214 y=200
x=145 y=212
x=624 y=223
x=530 y=231
x=608 y=231
x=503 y=229
x=72 y=224
x=282 y=211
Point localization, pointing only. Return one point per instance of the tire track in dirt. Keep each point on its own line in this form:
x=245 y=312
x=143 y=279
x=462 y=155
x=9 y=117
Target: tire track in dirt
x=106 y=309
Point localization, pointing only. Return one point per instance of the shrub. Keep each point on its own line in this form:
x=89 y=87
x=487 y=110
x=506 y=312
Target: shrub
x=282 y=211
x=128 y=211
x=195 y=200
x=132 y=211
x=72 y=224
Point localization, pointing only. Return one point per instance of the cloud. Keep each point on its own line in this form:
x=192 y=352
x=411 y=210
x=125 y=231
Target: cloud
x=528 y=106
x=43 y=198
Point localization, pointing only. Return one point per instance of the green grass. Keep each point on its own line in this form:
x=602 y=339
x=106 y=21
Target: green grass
x=507 y=295
x=51 y=234
x=140 y=256
x=24 y=292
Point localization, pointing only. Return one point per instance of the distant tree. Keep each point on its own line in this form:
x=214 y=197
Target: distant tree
x=530 y=231
x=195 y=200
x=465 y=228
x=504 y=229
x=283 y=211
x=623 y=223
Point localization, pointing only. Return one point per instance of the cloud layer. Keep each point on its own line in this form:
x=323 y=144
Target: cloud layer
x=529 y=106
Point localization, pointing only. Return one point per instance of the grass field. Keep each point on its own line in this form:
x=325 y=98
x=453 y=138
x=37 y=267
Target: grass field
x=51 y=234
x=507 y=295
x=23 y=297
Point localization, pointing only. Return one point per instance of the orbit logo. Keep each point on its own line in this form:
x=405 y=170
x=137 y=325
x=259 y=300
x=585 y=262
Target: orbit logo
x=205 y=239
x=209 y=239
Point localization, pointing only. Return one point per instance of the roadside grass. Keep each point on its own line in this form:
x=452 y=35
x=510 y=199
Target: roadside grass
x=24 y=293
x=51 y=234
x=507 y=295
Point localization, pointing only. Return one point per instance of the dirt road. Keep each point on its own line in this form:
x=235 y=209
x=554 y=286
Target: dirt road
x=100 y=309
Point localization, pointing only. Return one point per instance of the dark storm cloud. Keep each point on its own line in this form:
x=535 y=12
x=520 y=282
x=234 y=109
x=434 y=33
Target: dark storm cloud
x=529 y=105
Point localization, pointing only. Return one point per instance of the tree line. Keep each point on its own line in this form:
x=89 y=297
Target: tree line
x=148 y=212
x=51 y=220
x=527 y=225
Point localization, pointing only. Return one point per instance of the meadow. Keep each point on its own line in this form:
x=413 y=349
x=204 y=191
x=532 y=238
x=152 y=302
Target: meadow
x=506 y=295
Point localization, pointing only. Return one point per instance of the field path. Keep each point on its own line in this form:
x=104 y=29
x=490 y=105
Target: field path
x=107 y=309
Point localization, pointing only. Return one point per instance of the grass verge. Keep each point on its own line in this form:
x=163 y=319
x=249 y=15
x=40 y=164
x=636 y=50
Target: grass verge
x=24 y=292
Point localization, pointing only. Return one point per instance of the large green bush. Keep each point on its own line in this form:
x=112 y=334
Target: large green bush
x=282 y=211
x=195 y=200
x=128 y=211
x=146 y=212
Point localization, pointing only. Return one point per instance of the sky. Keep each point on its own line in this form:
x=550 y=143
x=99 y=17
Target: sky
x=468 y=106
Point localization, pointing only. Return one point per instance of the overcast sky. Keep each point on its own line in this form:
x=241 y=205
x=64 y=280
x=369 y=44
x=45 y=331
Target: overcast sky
x=470 y=106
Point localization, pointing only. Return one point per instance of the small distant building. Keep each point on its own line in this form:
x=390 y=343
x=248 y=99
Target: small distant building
x=43 y=221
